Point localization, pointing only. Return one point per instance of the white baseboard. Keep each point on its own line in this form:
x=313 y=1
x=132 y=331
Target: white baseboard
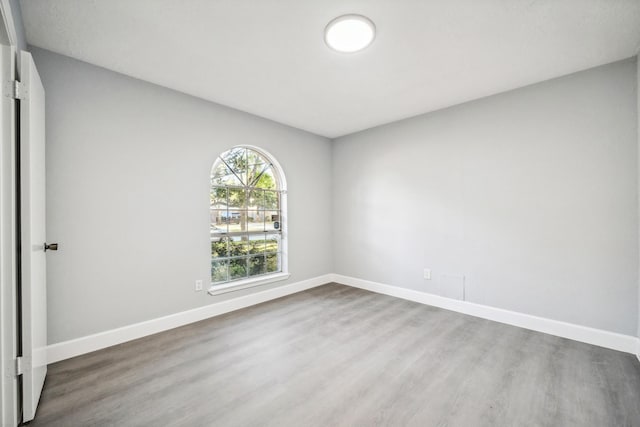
x=76 y=347
x=612 y=340
x=83 y=345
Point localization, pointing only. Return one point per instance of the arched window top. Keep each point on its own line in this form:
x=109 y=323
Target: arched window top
x=246 y=167
x=248 y=220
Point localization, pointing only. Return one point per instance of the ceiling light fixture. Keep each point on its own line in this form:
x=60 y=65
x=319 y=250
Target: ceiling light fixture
x=349 y=33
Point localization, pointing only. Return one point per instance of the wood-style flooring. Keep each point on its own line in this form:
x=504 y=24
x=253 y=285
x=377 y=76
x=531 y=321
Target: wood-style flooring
x=339 y=356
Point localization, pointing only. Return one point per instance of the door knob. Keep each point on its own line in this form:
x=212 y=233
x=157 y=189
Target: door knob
x=50 y=246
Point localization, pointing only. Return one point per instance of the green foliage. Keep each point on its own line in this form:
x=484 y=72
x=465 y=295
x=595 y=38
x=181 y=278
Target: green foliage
x=272 y=263
x=244 y=198
x=219 y=271
x=256 y=265
x=227 y=247
x=266 y=181
x=237 y=268
x=219 y=248
x=242 y=167
x=255 y=257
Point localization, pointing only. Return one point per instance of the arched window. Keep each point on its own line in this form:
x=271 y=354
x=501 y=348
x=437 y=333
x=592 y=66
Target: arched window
x=248 y=213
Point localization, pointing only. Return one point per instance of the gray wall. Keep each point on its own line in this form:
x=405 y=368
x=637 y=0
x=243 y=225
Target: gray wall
x=531 y=195
x=128 y=173
x=16 y=14
x=12 y=9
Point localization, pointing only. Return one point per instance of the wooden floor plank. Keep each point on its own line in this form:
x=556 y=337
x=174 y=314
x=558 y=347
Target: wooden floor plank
x=339 y=356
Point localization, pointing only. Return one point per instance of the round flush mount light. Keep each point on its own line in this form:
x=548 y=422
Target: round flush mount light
x=349 y=33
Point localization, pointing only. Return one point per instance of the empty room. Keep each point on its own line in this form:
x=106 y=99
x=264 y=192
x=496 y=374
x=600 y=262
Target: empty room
x=320 y=213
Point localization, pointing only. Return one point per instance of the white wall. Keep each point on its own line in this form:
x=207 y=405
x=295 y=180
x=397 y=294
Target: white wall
x=128 y=195
x=532 y=195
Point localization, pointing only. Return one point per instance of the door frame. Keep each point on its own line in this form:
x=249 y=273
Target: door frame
x=9 y=389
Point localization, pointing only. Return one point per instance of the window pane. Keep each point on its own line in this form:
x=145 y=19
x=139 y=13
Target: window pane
x=238 y=246
x=218 y=197
x=272 y=263
x=256 y=165
x=256 y=244
x=272 y=243
x=236 y=158
x=254 y=158
x=237 y=268
x=256 y=199
x=271 y=200
x=222 y=175
x=255 y=221
x=237 y=220
x=237 y=198
x=219 y=270
x=272 y=220
x=219 y=247
x=256 y=265
x=266 y=180
x=218 y=221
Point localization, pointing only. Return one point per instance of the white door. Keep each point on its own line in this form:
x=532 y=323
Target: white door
x=32 y=232
x=8 y=309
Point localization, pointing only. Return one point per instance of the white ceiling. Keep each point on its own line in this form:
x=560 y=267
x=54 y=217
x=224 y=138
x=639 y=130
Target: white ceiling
x=268 y=57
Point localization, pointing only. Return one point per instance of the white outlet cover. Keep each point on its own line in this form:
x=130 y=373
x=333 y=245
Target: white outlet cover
x=427 y=274
x=198 y=285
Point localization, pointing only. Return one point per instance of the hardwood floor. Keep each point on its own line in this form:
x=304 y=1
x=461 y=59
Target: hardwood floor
x=339 y=356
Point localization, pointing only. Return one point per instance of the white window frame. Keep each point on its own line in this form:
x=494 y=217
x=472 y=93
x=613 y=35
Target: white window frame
x=283 y=274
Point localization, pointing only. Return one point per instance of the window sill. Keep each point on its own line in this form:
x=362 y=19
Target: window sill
x=247 y=283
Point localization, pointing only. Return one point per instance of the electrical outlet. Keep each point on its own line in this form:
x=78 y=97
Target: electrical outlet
x=427 y=274
x=198 y=285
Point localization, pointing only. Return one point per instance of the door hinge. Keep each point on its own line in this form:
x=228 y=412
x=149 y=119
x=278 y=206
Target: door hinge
x=15 y=90
x=19 y=366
